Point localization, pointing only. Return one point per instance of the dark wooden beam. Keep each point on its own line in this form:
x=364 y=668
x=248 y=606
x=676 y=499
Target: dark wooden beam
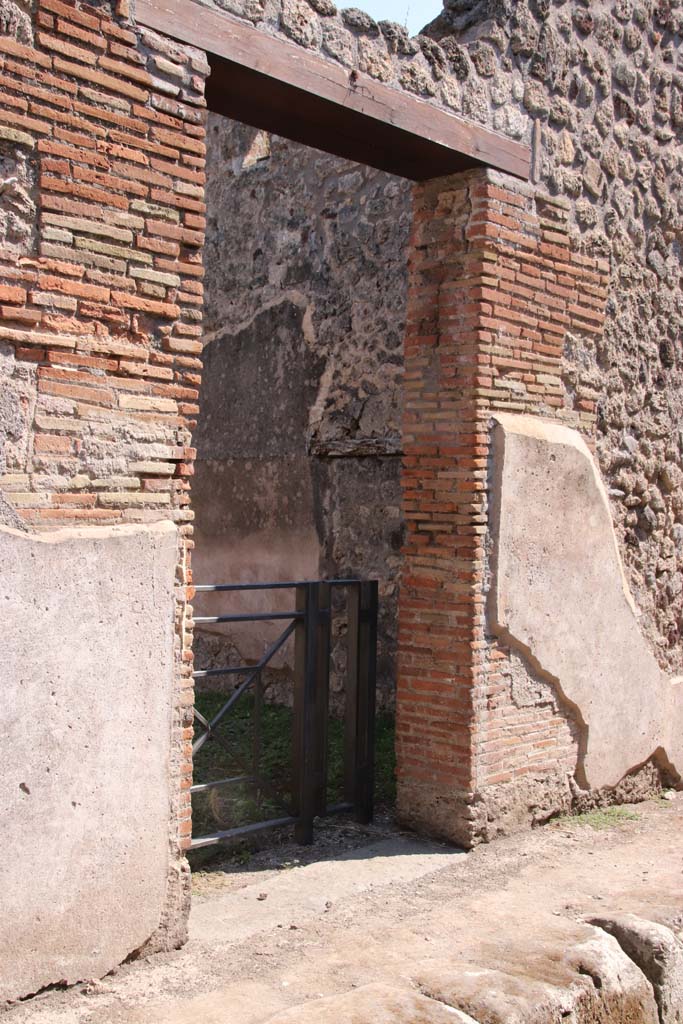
x=275 y=85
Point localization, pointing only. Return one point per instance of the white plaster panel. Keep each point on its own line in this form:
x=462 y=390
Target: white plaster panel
x=86 y=666
x=560 y=596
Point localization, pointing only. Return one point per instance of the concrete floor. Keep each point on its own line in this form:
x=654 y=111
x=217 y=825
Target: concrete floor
x=416 y=919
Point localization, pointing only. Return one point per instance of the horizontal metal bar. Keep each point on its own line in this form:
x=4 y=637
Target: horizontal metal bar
x=205 y=672
x=260 y=617
x=201 y=787
x=234 y=833
x=208 y=588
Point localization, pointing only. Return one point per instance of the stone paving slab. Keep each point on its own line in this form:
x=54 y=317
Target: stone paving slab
x=504 y=934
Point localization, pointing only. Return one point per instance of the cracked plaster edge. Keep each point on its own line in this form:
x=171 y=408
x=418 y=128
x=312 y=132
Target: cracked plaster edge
x=559 y=435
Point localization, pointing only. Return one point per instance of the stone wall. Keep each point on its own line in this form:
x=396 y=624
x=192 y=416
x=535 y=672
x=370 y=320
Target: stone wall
x=101 y=227
x=298 y=438
x=600 y=86
x=559 y=300
x=597 y=90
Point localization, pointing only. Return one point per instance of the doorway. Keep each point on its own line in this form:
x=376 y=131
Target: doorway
x=298 y=438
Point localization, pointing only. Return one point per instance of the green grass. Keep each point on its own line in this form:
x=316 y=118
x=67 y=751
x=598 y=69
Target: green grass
x=239 y=804
x=599 y=819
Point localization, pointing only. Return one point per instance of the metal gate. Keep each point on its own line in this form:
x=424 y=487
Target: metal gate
x=310 y=621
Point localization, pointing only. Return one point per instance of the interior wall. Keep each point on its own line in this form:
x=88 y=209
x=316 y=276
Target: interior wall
x=298 y=439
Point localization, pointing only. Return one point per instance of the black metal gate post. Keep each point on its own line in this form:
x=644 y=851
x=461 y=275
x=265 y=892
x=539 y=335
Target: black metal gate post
x=311 y=696
x=359 y=768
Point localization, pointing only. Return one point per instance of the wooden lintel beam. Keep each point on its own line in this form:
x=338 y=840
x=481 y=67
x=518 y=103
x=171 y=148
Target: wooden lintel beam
x=273 y=84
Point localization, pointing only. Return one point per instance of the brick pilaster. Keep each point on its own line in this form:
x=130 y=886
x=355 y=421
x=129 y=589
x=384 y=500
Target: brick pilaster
x=494 y=285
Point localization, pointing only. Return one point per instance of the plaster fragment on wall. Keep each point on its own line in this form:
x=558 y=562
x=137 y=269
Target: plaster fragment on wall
x=560 y=597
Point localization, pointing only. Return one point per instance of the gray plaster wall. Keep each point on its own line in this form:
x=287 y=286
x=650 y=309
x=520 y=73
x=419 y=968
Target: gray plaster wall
x=87 y=670
x=297 y=474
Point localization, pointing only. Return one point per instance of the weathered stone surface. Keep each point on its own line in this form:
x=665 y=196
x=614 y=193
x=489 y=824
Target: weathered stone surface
x=86 y=660
x=379 y=1004
x=659 y=955
x=18 y=386
x=15 y=21
x=539 y=796
x=591 y=980
x=602 y=91
x=560 y=597
x=17 y=159
x=357 y=19
x=298 y=22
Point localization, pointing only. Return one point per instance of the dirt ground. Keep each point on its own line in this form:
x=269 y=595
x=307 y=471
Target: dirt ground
x=368 y=906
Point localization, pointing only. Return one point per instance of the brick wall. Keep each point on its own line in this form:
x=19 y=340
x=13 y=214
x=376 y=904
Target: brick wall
x=100 y=321
x=100 y=301
x=493 y=287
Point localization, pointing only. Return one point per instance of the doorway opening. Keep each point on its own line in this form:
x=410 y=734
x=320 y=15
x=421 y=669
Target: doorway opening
x=298 y=439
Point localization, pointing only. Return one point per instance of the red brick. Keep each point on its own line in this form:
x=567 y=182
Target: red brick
x=95 y=195
x=12 y=293
x=51 y=42
x=18 y=102
x=181 y=202
x=29 y=124
x=70 y=152
x=55 y=83
x=165 y=309
x=52 y=443
x=68 y=287
x=94 y=395
x=142 y=144
x=128 y=71
x=23 y=316
x=27 y=89
x=93 y=77
x=81 y=499
x=111 y=181
x=91 y=38
x=157 y=245
x=112 y=116
x=65 y=117
x=11 y=46
x=71 y=14
x=179 y=141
